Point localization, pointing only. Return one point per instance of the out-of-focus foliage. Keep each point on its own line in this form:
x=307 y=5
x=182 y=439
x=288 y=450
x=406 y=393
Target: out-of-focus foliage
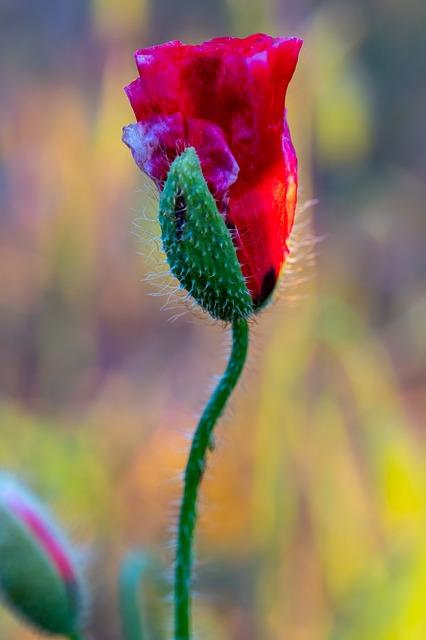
x=313 y=523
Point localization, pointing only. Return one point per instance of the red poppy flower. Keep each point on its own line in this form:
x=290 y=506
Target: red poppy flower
x=225 y=98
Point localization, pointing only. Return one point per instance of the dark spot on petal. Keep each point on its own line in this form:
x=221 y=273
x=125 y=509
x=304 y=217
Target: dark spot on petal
x=268 y=284
x=180 y=214
x=231 y=226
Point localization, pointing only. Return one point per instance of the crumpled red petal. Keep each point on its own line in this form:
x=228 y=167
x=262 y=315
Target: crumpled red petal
x=156 y=141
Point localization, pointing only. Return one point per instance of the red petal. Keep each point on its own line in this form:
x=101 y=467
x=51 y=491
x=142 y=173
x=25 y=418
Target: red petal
x=158 y=88
x=157 y=141
x=262 y=215
x=241 y=85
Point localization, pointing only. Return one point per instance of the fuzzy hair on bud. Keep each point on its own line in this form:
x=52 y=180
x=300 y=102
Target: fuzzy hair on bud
x=198 y=244
x=38 y=576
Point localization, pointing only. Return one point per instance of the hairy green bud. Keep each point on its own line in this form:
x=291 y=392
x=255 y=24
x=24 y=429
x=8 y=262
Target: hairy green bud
x=198 y=244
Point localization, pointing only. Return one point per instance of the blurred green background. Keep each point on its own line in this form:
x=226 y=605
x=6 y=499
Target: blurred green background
x=313 y=519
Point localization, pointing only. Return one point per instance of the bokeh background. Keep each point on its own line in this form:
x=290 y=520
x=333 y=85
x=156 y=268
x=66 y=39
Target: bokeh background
x=313 y=519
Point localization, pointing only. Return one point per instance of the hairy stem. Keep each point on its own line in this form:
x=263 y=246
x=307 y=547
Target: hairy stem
x=193 y=476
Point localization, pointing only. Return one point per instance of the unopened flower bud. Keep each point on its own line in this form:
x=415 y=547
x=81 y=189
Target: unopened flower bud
x=38 y=574
x=198 y=243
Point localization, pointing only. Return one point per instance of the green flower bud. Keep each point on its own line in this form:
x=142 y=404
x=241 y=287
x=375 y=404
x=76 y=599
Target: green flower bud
x=38 y=576
x=198 y=244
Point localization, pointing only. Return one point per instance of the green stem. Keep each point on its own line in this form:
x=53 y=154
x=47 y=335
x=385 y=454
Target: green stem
x=132 y=570
x=193 y=476
x=76 y=636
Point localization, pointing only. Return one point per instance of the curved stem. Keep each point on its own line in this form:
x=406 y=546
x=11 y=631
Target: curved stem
x=193 y=476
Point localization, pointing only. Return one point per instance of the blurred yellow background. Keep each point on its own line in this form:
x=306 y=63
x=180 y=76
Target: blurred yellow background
x=313 y=517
